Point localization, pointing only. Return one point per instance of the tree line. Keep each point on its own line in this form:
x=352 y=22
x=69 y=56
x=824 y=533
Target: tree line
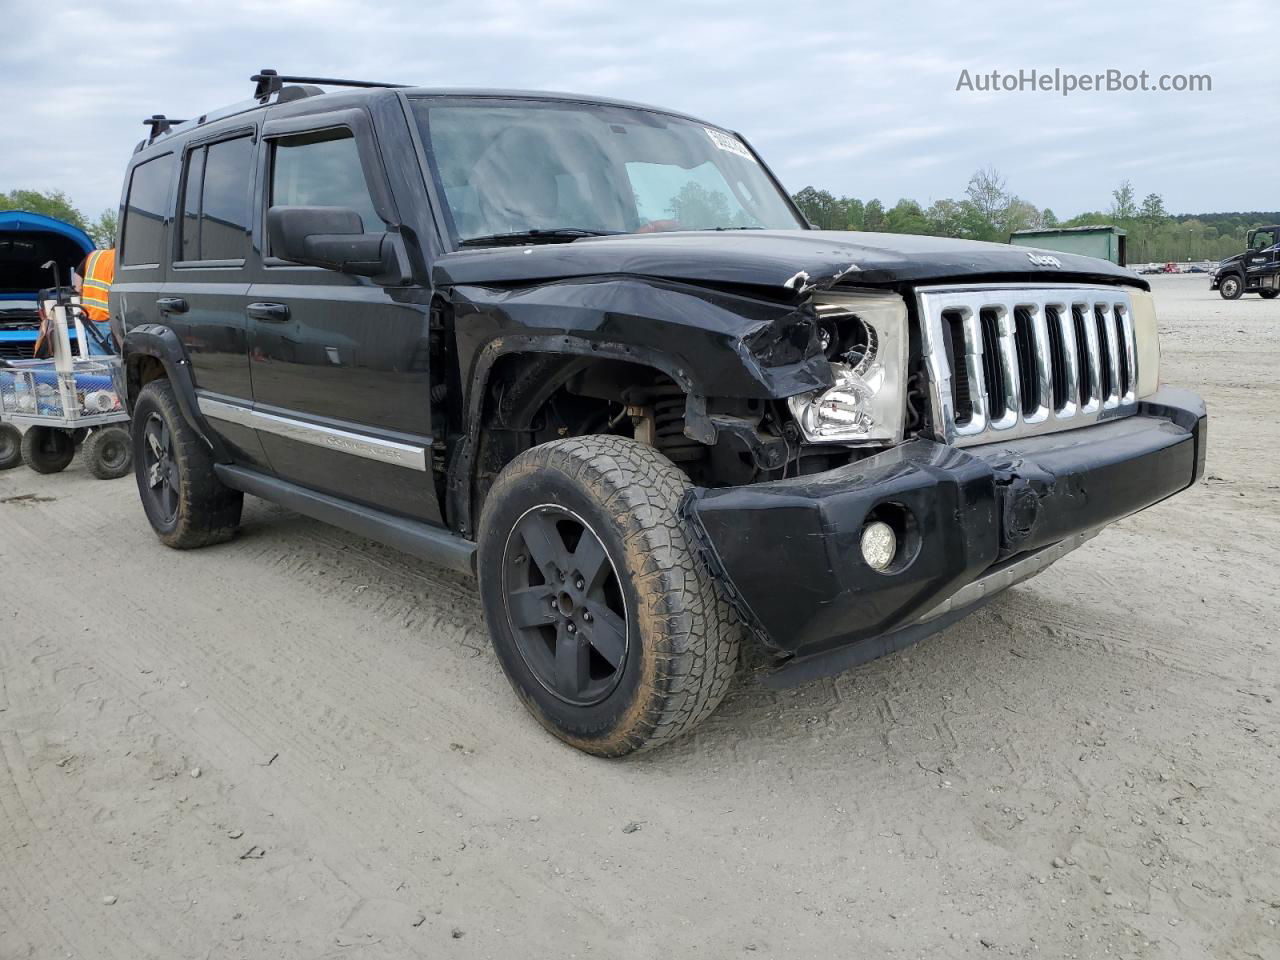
x=989 y=210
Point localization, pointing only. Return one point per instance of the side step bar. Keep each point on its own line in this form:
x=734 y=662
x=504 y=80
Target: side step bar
x=411 y=536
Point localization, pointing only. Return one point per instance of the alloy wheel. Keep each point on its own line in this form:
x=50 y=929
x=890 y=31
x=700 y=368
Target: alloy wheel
x=161 y=470
x=565 y=604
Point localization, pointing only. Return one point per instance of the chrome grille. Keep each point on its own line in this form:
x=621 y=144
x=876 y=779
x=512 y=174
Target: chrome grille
x=1015 y=361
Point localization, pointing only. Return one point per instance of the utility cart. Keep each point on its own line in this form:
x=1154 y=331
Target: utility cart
x=69 y=401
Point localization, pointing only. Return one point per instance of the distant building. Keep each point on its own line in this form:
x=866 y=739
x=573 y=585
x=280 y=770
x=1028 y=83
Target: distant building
x=1103 y=242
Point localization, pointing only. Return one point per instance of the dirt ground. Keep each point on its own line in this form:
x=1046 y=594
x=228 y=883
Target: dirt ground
x=299 y=745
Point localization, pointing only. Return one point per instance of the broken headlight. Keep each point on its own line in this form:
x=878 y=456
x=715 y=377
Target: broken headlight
x=865 y=339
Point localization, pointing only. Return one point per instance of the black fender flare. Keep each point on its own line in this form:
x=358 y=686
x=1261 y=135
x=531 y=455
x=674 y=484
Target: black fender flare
x=160 y=342
x=459 y=493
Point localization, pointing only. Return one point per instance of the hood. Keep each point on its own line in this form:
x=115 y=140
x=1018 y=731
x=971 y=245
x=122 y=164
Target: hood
x=30 y=240
x=795 y=260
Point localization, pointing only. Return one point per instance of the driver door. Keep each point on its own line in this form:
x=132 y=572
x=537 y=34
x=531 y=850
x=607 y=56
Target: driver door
x=339 y=364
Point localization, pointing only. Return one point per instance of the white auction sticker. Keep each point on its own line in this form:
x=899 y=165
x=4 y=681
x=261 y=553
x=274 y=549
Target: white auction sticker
x=731 y=144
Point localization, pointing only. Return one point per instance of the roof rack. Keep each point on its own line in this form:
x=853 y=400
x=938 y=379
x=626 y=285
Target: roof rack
x=160 y=125
x=269 y=82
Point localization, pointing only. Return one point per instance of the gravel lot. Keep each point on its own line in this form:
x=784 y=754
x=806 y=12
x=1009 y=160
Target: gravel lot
x=299 y=745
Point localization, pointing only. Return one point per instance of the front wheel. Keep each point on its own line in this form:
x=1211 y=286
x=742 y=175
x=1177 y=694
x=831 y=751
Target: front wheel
x=10 y=446
x=47 y=449
x=1230 y=288
x=605 y=618
x=184 y=500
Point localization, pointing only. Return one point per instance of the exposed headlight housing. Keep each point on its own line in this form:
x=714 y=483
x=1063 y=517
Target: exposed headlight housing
x=1146 y=341
x=865 y=339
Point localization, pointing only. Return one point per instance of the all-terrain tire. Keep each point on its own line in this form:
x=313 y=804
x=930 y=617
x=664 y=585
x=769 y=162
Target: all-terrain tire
x=10 y=446
x=109 y=452
x=1231 y=287
x=682 y=636
x=47 y=449
x=187 y=505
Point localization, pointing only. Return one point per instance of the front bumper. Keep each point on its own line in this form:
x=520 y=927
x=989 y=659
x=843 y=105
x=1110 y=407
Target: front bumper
x=788 y=551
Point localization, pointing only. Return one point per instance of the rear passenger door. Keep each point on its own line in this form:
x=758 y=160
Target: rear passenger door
x=339 y=363
x=208 y=284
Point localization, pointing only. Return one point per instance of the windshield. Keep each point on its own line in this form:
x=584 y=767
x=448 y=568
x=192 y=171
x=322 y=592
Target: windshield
x=520 y=167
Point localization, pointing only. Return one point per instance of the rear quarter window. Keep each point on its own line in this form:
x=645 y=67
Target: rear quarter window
x=146 y=207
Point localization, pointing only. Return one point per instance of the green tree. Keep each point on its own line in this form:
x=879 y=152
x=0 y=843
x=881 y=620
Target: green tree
x=103 y=229
x=988 y=193
x=906 y=217
x=51 y=203
x=1123 y=203
x=1153 y=211
x=1048 y=218
x=873 y=217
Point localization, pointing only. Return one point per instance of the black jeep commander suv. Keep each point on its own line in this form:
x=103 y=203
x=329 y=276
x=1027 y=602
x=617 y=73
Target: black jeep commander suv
x=590 y=352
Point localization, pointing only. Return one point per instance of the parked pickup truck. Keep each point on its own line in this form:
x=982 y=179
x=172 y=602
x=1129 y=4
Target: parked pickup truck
x=591 y=352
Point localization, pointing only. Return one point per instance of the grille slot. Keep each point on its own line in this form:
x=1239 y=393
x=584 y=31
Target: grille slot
x=961 y=391
x=1107 y=383
x=1127 y=381
x=1058 y=384
x=992 y=374
x=1028 y=370
x=1086 y=370
x=1015 y=361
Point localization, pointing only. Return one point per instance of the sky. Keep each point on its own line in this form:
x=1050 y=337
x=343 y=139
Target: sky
x=859 y=98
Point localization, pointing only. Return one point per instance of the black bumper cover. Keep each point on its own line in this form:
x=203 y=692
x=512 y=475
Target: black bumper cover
x=789 y=551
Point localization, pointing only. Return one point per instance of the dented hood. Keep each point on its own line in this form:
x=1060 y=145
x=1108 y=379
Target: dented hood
x=798 y=260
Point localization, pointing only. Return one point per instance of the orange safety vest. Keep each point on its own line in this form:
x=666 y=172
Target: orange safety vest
x=99 y=271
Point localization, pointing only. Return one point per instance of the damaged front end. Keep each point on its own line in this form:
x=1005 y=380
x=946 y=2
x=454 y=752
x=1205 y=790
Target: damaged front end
x=963 y=520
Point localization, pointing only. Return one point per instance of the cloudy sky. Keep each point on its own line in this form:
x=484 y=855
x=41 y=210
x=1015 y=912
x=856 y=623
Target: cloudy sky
x=855 y=97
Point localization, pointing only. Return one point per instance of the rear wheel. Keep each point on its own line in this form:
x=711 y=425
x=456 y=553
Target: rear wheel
x=602 y=613
x=47 y=449
x=1230 y=288
x=1269 y=294
x=186 y=503
x=109 y=452
x=10 y=446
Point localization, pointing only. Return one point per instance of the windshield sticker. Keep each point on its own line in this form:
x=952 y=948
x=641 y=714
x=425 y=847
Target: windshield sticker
x=729 y=144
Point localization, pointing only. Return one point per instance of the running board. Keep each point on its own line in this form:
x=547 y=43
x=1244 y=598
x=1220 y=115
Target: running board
x=411 y=536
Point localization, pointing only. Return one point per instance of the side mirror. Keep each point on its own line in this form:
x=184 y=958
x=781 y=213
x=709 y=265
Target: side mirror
x=334 y=238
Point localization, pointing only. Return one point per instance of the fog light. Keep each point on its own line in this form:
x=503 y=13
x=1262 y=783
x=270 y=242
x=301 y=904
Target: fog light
x=879 y=544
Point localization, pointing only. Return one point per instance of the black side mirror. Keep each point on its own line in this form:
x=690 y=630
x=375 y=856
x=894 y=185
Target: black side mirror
x=334 y=238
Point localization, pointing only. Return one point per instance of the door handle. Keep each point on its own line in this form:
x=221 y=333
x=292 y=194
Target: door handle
x=172 y=305
x=272 y=312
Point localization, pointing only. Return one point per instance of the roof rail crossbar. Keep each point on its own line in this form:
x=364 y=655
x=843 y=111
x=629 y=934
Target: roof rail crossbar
x=269 y=82
x=160 y=125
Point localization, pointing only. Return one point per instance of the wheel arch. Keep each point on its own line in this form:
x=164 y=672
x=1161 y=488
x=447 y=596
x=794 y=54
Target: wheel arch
x=537 y=367
x=152 y=351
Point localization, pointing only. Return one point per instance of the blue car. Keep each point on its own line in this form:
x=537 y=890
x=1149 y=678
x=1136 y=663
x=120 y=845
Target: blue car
x=27 y=242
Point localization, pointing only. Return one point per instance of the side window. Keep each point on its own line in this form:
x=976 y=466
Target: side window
x=322 y=170
x=217 y=199
x=145 y=209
